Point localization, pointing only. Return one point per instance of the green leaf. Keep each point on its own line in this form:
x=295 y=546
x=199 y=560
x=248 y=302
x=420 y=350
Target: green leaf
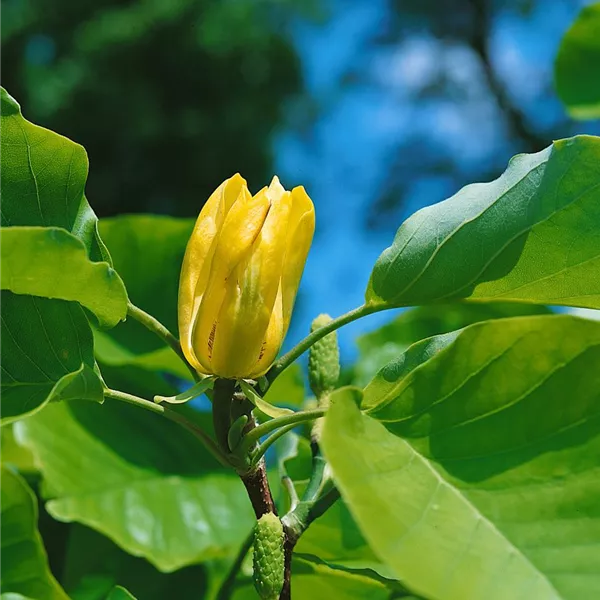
x=43 y=179
x=47 y=354
x=379 y=347
x=109 y=352
x=529 y=236
x=50 y=262
x=196 y=390
x=268 y=409
x=312 y=578
x=25 y=568
x=484 y=480
x=119 y=593
x=13 y=454
x=334 y=536
x=138 y=479
x=577 y=67
x=147 y=251
x=138 y=381
x=94 y=566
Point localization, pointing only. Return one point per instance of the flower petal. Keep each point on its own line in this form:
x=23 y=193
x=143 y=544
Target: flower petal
x=198 y=257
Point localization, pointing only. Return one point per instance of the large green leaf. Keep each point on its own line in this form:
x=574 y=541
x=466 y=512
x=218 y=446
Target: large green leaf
x=336 y=538
x=13 y=454
x=43 y=179
x=484 y=480
x=47 y=354
x=333 y=537
x=51 y=262
x=25 y=568
x=378 y=347
x=577 y=67
x=111 y=353
x=529 y=236
x=129 y=350
x=148 y=251
x=94 y=565
x=138 y=479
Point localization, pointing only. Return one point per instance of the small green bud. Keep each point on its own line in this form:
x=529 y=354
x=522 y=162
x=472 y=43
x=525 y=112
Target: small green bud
x=323 y=360
x=234 y=435
x=268 y=557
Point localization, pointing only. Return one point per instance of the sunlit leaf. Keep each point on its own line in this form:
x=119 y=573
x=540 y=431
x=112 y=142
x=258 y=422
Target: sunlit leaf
x=481 y=478
x=51 y=262
x=147 y=251
x=43 y=179
x=110 y=352
x=380 y=346
x=13 y=454
x=529 y=236
x=334 y=536
x=138 y=479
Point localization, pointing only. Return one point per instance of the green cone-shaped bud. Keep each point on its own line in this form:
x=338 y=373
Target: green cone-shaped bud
x=323 y=360
x=268 y=557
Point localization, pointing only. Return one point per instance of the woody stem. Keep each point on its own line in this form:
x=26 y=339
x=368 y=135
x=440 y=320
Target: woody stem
x=221 y=410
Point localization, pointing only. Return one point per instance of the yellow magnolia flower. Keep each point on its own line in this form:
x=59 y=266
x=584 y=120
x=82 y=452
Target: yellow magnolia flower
x=240 y=275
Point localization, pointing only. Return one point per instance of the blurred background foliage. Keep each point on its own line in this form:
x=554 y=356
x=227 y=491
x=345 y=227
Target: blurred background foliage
x=168 y=97
x=378 y=107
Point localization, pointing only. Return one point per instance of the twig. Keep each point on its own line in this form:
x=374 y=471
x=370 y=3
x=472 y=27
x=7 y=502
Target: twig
x=161 y=331
x=264 y=446
x=287 y=359
x=255 y=434
x=173 y=416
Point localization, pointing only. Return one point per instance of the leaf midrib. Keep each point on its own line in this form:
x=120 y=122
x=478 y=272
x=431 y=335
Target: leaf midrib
x=457 y=229
x=478 y=515
x=511 y=240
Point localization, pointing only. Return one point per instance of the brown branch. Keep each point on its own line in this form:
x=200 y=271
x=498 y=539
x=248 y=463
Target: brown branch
x=288 y=548
x=259 y=491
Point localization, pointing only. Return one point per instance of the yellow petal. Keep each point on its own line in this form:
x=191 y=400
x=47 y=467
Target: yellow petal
x=275 y=190
x=249 y=301
x=235 y=239
x=300 y=234
x=198 y=256
x=273 y=339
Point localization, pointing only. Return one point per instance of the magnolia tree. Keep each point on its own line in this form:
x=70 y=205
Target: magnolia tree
x=457 y=459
